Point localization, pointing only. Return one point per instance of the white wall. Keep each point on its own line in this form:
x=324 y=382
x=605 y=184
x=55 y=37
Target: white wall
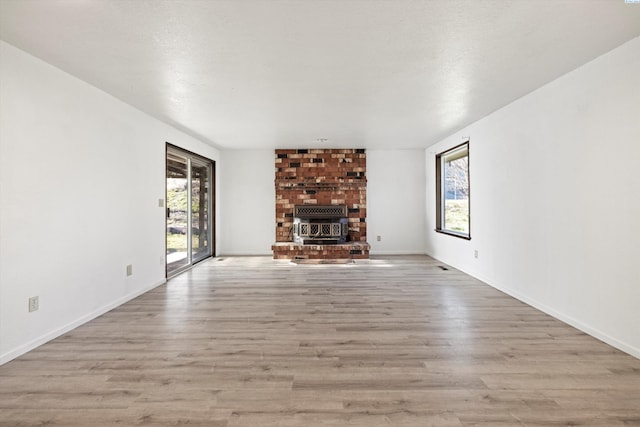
x=80 y=178
x=555 y=199
x=395 y=178
x=395 y=201
x=248 y=200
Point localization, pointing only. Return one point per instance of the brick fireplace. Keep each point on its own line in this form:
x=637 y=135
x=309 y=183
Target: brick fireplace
x=321 y=177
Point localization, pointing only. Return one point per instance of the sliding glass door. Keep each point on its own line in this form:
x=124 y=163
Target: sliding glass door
x=189 y=207
x=200 y=212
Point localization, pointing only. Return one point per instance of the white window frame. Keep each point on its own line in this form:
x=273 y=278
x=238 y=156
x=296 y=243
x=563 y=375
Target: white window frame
x=454 y=153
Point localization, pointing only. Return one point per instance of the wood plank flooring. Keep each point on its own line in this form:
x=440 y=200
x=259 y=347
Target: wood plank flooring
x=392 y=341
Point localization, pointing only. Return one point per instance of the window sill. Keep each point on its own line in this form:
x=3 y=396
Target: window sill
x=454 y=234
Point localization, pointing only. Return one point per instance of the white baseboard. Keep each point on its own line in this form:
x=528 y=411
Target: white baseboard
x=382 y=253
x=232 y=254
x=587 y=329
x=19 y=351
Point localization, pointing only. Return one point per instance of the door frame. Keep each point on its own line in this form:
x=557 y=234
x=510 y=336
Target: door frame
x=211 y=220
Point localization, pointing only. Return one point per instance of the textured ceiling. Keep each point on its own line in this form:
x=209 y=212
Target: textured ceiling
x=330 y=73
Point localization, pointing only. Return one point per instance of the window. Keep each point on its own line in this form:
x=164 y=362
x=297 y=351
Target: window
x=452 y=192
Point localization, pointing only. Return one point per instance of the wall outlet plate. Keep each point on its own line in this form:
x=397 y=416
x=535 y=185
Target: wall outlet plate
x=34 y=304
x=129 y=270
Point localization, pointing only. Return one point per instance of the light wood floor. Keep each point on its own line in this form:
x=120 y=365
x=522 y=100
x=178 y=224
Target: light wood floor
x=387 y=342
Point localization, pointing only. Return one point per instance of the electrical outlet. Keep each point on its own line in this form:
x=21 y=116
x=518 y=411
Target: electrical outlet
x=475 y=253
x=34 y=304
x=161 y=203
x=378 y=238
x=129 y=270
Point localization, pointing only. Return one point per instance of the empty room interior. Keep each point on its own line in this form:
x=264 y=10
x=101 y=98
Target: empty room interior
x=319 y=213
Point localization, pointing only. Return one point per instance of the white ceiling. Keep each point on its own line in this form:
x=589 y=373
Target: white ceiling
x=291 y=73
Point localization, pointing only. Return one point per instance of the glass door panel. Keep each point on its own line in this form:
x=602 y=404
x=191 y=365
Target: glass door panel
x=200 y=173
x=177 y=212
x=189 y=207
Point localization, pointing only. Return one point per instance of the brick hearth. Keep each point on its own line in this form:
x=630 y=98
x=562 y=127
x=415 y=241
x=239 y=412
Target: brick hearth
x=321 y=177
x=290 y=250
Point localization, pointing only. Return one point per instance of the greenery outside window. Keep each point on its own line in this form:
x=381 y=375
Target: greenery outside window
x=452 y=192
